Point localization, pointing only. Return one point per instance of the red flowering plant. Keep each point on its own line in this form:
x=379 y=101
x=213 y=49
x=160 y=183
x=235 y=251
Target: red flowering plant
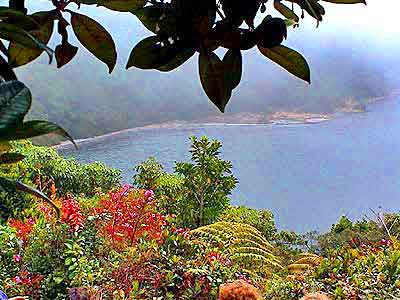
x=71 y=214
x=129 y=215
x=26 y=283
x=23 y=228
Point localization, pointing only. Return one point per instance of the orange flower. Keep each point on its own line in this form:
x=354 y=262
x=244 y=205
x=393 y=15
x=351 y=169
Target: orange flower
x=238 y=290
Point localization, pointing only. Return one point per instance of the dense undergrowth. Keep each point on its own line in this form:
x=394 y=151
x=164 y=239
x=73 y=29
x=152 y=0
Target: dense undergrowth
x=176 y=236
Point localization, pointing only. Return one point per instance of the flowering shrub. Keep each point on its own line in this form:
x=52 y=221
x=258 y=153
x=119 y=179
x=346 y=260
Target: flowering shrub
x=23 y=229
x=368 y=271
x=129 y=215
x=71 y=214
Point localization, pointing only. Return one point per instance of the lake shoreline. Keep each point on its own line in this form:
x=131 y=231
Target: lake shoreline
x=280 y=118
x=186 y=124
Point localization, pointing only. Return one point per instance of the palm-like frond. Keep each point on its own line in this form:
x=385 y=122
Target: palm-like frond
x=304 y=263
x=242 y=244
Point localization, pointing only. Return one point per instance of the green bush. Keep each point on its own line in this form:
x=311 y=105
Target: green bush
x=263 y=220
x=147 y=174
x=197 y=192
x=42 y=164
x=348 y=233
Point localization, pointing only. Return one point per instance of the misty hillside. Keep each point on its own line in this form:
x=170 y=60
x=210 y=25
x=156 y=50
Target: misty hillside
x=345 y=60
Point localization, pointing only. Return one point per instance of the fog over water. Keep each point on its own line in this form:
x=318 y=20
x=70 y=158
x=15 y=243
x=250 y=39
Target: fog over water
x=353 y=53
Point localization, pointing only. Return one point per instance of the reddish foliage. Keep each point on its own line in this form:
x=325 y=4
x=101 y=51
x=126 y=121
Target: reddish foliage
x=132 y=215
x=24 y=229
x=71 y=214
x=30 y=282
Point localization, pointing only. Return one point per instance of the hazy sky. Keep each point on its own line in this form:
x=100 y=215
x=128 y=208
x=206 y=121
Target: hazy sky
x=353 y=53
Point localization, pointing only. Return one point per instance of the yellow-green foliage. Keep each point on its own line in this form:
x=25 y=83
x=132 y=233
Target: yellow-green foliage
x=242 y=244
x=304 y=263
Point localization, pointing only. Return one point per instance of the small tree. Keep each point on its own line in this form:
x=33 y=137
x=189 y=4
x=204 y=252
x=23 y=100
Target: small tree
x=147 y=173
x=208 y=181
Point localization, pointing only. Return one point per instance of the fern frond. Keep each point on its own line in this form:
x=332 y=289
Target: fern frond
x=304 y=263
x=242 y=244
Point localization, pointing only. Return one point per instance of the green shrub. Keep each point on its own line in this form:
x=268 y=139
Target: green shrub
x=263 y=220
x=197 y=192
x=348 y=233
x=147 y=173
x=42 y=164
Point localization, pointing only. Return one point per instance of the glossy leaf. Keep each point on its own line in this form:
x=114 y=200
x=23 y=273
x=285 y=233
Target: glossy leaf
x=19 y=54
x=11 y=186
x=289 y=59
x=32 y=129
x=213 y=80
x=233 y=68
x=122 y=5
x=15 y=34
x=314 y=9
x=15 y=102
x=65 y=53
x=152 y=53
x=285 y=11
x=12 y=16
x=11 y=158
x=95 y=38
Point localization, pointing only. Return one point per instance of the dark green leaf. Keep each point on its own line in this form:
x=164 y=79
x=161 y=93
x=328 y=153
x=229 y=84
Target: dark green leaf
x=15 y=102
x=13 y=33
x=314 y=9
x=6 y=72
x=31 y=129
x=289 y=59
x=152 y=53
x=10 y=186
x=177 y=61
x=285 y=11
x=233 y=68
x=19 y=54
x=65 y=53
x=159 y=20
x=95 y=38
x=15 y=17
x=212 y=77
x=11 y=158
x=122 y=5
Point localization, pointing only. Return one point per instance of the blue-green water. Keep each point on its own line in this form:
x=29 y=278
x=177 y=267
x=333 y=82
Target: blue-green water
x=308 y=175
